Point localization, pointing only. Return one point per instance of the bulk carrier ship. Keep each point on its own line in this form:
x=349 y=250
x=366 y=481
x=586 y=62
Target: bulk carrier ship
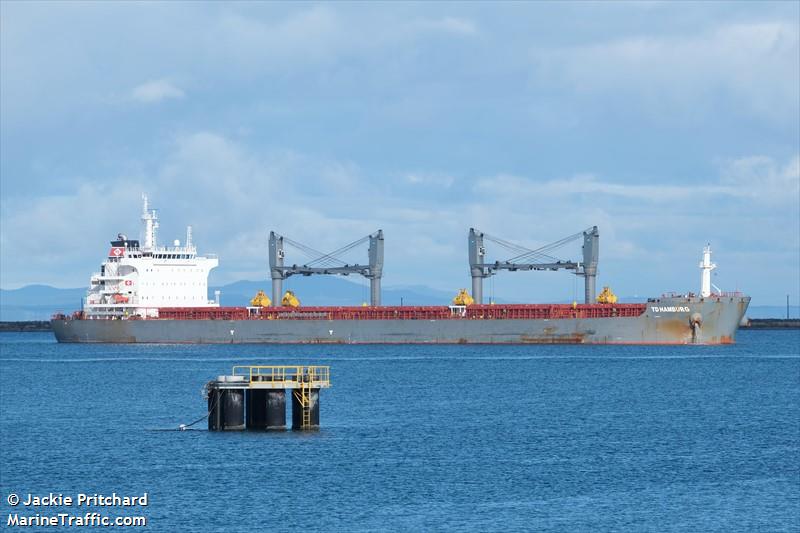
x=145 y=293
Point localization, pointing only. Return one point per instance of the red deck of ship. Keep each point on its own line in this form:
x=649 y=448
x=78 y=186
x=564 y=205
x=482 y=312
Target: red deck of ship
x=472 y=312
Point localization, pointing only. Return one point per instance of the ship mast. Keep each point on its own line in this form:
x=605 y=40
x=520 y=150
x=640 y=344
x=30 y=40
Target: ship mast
x=706 y=266
x=150 y=220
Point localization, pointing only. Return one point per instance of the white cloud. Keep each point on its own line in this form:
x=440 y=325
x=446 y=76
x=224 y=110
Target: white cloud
x=453 y=25
x=61 y=230
x=156 y=91
x=763 y=178
x=754 y=64
x=749 y=210
x=319 y=37
x=304 y=39
x=756 y=178
x=430 y=179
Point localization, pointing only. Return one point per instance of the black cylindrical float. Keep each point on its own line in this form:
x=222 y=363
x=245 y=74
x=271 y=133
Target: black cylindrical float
x=276 y=409
x=266 y=409
x=232 y=415
x=214 y=419
x=225 y=407
x=256 y=403
x=297 y=409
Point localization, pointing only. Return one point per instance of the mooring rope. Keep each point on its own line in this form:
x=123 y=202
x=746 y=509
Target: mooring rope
x=185 y=427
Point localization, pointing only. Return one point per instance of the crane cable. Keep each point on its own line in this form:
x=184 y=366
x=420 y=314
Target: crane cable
x=341 y=250
x=325 y=259
x=184 y=427
x=549 y=247
x=542 y=252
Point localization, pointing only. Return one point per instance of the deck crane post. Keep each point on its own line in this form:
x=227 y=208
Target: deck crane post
x=375 y=267
x=476 y=266
x=276 y=255
x=591 y=252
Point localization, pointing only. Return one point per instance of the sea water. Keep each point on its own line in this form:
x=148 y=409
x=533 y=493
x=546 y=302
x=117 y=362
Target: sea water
x=417 y=438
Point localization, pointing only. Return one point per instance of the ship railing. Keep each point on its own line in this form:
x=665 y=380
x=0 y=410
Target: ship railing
x=131 y=300
x=718 y=294
x=472 y=312
x=172 y=249
x=726 y=294
x=107 y=276
x=288 y=377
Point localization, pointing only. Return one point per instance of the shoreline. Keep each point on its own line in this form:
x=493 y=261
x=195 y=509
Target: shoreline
x=26 y=326
x=772 y=323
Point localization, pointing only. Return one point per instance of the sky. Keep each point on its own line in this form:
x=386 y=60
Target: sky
x=667 y=125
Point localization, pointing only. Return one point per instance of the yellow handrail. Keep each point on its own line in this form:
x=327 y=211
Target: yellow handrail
x=310 y=376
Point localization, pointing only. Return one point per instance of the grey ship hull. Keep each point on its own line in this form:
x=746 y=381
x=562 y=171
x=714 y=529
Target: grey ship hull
x=665 y=321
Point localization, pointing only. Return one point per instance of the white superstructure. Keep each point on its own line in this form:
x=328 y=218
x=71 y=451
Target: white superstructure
x=137 y=280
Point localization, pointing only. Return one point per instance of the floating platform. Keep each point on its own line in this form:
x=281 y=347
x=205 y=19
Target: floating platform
x=254 y=397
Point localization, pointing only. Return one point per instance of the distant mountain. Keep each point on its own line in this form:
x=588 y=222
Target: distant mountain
x=38 y=302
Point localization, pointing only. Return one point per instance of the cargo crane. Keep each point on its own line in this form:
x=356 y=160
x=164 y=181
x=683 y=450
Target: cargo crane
x=329 y=263
x=538 y=259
